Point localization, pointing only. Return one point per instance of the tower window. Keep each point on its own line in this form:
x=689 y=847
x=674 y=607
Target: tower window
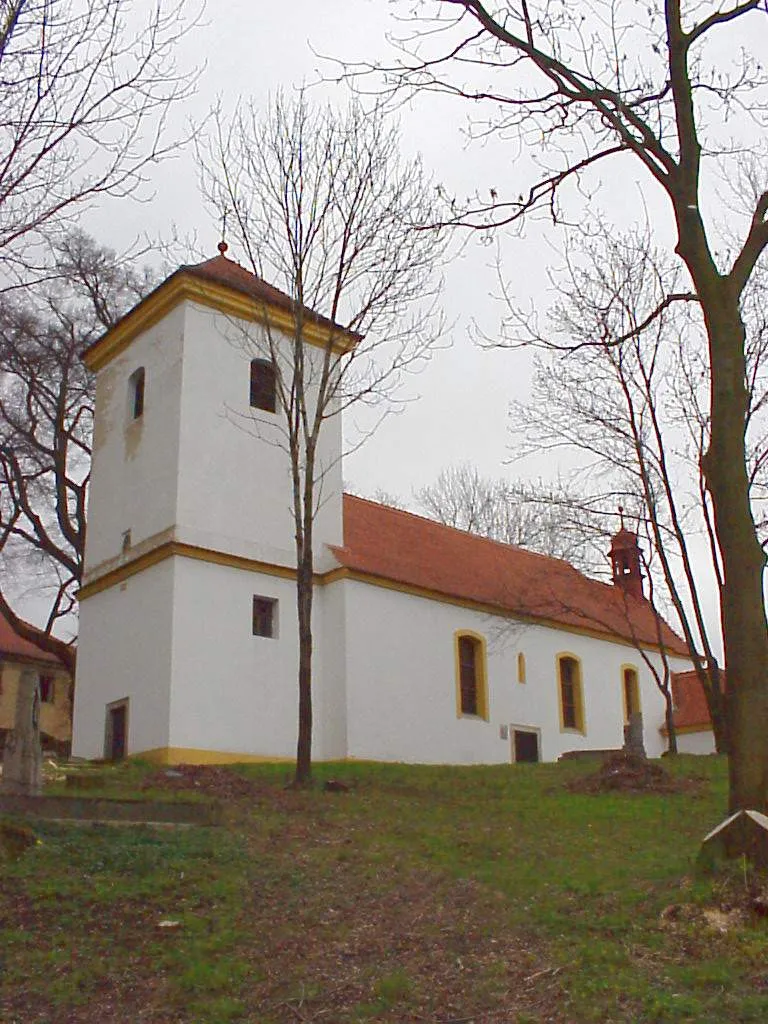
x=264 y=616
x=136 y=393
x=263 y=389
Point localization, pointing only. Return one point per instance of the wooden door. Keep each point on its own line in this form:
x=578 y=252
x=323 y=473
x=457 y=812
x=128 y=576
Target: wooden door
x=116 y=745
x=526 y=745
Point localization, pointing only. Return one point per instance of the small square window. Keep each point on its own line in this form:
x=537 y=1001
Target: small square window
x=264 y=616
x=46 y=689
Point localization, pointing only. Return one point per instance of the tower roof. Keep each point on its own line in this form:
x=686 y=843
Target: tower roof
x=623 y=539
x=222 y=270
x=227 y=287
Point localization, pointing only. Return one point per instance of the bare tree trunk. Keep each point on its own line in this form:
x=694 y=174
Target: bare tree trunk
x=745 y=630
x=23 y=759
x=669 y=718
x=304 y=593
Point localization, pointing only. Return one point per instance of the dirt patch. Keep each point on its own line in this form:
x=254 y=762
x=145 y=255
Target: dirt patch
x=211 y=780
x=630 y=773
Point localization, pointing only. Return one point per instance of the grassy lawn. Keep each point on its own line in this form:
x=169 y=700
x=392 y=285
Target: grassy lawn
x=481 y=895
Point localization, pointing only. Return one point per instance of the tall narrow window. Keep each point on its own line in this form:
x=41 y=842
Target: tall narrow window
x=136 y=393
x=263 y=389
x=571 y=696
x=471 y=680
x=264 y=616
x=631 y=693
x=468 y=674
x=521 y=667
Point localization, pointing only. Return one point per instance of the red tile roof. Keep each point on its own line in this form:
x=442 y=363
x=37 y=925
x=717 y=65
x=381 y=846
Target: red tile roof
x=691 y=711
x=416 y=552
x=12 y=646
x=221 y=270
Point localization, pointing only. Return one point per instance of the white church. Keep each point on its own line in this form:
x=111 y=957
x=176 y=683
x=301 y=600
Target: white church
x=430 y=645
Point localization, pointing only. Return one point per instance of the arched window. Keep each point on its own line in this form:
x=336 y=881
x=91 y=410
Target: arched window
x=570 y=692
x=263 y=390
x=136 y=384
x=631 y=692
x=471 y=675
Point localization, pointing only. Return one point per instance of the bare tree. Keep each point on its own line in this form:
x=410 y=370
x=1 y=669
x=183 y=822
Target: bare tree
x=633 y=405
x=328 y=211
x=46 y=415
x=546 y=518
x=643 y=86
x=86 y=92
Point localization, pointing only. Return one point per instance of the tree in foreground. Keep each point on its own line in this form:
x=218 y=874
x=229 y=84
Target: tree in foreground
x=46 y=420
x=613 y=83
x=328 y=211
x=543 y=517
x=633 y=406
x=86 y=93
x=46 y=417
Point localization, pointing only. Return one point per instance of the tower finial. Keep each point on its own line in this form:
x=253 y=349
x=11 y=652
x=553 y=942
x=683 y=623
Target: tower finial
x=621 y=516
x=222 y=246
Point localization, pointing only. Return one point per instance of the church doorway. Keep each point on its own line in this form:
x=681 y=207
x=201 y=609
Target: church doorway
x=116 y=733
x=525 y=745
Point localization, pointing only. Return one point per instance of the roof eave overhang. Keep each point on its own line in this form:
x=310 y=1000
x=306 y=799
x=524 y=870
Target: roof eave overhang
x=186 y=286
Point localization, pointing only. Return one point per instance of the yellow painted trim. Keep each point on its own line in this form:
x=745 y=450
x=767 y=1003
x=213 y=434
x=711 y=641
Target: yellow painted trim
x=343 y=573
x=171 y=548
x=184 y=286
x=682 y=730
x=203 y=554
x=191 y=755
x=630 y=668
x=481 y=665
x=520 y=667
x=581 y=721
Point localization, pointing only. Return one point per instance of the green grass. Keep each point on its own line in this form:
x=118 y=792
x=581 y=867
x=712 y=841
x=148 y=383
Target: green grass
x=421 y=894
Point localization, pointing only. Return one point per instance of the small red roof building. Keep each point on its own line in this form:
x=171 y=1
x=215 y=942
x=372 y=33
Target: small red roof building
x=15 y=648
x=691 y=710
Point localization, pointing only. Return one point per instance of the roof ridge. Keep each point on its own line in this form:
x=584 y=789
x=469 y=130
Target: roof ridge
x=479 y=537
x=414 y=550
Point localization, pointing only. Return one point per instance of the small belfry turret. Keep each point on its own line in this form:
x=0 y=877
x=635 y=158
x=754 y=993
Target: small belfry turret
x=625 y=560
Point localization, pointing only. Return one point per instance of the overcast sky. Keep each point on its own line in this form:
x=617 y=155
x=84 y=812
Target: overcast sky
x=457 y=408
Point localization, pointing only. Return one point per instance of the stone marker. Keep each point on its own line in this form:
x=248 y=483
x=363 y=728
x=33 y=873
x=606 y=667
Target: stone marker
x=633 y=735
x=743 y=832
x=23 y=757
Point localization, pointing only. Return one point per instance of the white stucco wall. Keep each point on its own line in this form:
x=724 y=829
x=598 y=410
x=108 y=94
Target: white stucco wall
x=232 y=692
x=124 y=650
x=401 y=684
x=330 y=683
x=696 y=742
x=234 y=471
x=133 y=476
